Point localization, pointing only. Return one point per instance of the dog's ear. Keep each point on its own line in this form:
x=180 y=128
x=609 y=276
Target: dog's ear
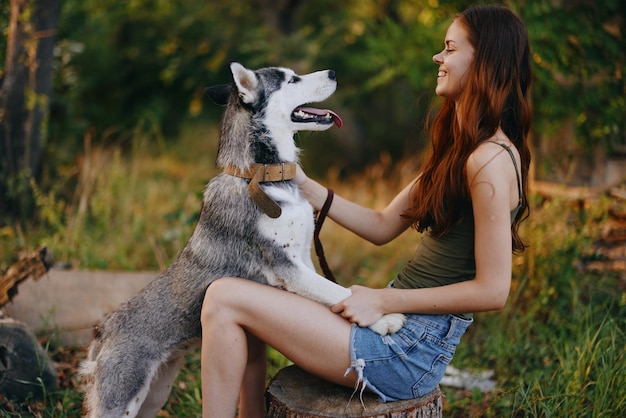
x=246 y=82
x=219 y=94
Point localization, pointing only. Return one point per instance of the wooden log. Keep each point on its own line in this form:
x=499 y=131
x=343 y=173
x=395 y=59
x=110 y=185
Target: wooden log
x=32 y=265
x=294 y=393
x=551 y=190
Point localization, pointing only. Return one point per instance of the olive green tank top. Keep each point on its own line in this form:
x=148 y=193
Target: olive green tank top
x=439 y=261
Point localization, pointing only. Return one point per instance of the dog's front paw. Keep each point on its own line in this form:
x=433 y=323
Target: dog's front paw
x=388 y=324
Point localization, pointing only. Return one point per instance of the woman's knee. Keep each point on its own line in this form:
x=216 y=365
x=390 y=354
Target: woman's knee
x=218 y=297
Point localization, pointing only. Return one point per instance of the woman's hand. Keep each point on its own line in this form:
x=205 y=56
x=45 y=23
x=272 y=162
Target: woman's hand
x=363 y=307
x=312 y=191
x=300 y=177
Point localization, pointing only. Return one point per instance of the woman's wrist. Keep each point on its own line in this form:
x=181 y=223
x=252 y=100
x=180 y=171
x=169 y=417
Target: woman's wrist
x=389 y=300
x=314 y=192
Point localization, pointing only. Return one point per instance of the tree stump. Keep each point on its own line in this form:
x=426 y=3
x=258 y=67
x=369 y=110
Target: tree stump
x=26 y=371
x=294 y=393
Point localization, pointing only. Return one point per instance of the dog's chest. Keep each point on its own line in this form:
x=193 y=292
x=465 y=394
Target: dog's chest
x=293 y=230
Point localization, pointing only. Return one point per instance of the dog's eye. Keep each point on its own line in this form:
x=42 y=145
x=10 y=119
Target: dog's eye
x=294 y=79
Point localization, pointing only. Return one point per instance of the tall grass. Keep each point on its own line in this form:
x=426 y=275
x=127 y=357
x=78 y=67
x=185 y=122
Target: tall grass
x=558 y=348
x=124 y=208
x=589 y=379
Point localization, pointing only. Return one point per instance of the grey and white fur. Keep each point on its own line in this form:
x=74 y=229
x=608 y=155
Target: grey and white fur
x=138 y=349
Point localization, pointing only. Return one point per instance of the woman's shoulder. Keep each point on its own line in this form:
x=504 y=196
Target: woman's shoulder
x=491 y=158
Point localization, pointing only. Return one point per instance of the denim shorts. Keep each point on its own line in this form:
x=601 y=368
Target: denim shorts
x=409 y=363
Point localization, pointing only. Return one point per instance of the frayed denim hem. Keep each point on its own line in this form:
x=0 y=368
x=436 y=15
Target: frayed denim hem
x=358 y=365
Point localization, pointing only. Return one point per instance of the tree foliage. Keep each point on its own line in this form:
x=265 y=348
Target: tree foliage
x=579 y=74
x=140 y=63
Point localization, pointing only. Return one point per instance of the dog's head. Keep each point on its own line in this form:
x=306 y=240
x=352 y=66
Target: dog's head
x=280 y=95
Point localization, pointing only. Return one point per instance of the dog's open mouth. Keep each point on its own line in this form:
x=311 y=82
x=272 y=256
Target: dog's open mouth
x=309 y=114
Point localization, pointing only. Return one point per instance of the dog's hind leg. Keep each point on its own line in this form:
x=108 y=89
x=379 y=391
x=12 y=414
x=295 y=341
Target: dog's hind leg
x=122 y=379
x=161 y=387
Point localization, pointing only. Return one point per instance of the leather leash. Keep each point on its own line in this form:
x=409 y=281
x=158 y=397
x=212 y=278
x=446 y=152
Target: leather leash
x=319 y=250
x=260 y=173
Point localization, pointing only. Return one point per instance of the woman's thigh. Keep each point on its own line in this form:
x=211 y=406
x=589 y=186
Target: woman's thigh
x=306 y=332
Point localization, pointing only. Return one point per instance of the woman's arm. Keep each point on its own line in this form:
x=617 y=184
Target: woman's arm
x=494 y=194
x=377 y=227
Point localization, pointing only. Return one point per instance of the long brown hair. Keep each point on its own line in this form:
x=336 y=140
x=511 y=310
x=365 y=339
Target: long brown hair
x=497 y=94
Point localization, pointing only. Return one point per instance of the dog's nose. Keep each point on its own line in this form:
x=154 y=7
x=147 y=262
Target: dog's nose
x=332 y=75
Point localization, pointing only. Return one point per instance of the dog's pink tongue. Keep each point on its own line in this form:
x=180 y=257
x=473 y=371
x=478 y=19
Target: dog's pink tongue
x=322 y=112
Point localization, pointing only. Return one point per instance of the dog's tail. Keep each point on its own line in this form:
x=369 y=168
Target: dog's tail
x=87 y=378
x=86 y=372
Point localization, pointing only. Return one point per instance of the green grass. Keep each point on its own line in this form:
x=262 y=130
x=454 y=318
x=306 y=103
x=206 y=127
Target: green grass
x=558 y=348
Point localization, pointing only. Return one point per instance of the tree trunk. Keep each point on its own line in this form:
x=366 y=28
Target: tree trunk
x=24 y=100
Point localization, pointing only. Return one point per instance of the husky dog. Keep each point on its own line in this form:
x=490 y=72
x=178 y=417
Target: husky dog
x=253 y=224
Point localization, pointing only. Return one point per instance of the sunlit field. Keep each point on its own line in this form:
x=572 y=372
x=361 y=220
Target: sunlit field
x=557 y=349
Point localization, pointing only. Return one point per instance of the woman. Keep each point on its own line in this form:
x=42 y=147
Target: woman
x=468 y=200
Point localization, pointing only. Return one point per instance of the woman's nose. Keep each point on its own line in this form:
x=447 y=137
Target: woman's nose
x=437 y=58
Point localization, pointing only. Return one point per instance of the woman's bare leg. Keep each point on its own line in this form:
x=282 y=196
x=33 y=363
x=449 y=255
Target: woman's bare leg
x=223 y=358
x=304 y=331
x=252 y=392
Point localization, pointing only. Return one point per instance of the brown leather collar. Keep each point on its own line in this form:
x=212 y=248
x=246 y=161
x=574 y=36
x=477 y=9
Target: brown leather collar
x=261 y=173
x=264 y=172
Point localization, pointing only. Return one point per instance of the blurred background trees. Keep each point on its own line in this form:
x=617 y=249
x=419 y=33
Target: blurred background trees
x=141 y=65
x=24 y=97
